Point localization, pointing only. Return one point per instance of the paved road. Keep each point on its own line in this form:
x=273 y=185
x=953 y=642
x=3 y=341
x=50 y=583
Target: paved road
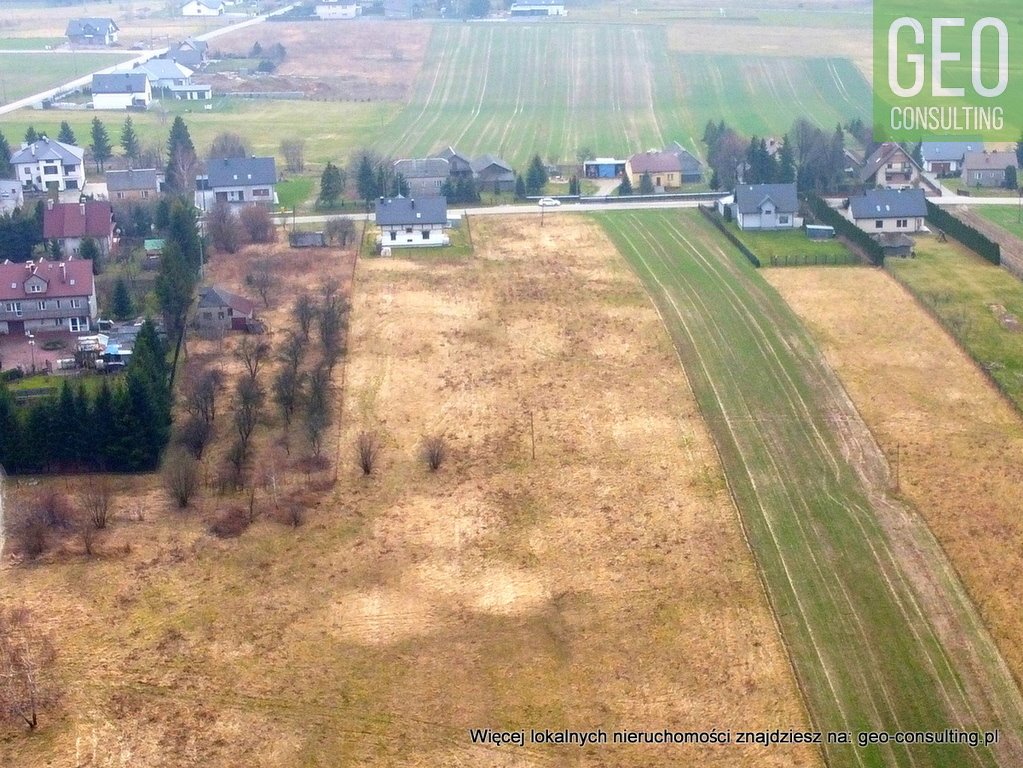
x=142 y=58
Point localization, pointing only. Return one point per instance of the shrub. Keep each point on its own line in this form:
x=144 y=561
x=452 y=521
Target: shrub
x=230 y=523
x=367 y=448
x=435 y=450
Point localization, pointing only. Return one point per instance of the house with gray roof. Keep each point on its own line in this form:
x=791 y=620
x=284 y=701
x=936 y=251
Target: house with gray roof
x=493 y=174
x=92 y=31
x=134 y=184
x=238 y=181
x=49 y=165
x=190 y=52
x=221 y=310
x=987 y=169
x=163 y=73
x=766 y=207
x=459 y=166
x=203 y=8
x=945 y=158
x=880 y=211
x=425 y=175
x=407 y=222
x=121 y=90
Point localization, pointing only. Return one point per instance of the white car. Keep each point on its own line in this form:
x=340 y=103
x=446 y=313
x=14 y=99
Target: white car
x=544 y=202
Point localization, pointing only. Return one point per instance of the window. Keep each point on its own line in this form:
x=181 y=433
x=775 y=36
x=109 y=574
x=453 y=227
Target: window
x=261 y=193
x=49 y=170
x=75 y=303
x=394 y=235
x=878 y=223
x=57 y=303
x=120 y=195
x=74 y=324
x=408 y=230
x=902 y=223
x=14 y=307
x=426 y=234
x=783 y=219
x=34 y=288
x=42 y=305
x=145 y=194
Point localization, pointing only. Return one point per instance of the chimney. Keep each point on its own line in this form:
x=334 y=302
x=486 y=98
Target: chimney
x=63 y=272
x=412 y=203
x=49 y=204
x=81 y=209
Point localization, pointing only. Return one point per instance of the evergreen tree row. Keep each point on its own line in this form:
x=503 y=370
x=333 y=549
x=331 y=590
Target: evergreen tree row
x=120 y=428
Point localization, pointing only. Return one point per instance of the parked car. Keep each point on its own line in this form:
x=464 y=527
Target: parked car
x=548 y=201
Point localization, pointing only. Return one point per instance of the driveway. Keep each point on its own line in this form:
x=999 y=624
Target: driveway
x=15 y=350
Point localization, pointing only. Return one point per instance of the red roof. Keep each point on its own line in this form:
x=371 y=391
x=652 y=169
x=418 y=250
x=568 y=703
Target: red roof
x=92 y=218
x=656 y=162
x=62 y=278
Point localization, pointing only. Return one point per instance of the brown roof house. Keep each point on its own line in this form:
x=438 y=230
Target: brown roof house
x=224 y=311
x=891 y=167
x=668 y=168
x=987 y=169
x=71 y=223
x=48 y=296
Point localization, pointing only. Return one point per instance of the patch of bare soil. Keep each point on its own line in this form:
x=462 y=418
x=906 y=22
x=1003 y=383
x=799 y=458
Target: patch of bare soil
x=954 y=447
x=350 y=60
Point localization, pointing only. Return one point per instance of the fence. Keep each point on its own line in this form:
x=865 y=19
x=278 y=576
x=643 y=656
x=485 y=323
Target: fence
x=712 y=217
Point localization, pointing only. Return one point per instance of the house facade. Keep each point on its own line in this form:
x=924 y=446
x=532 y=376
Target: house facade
x=238 y=181
x=71 y=223
x=410 y=222
x=92 y=31
x=338 y=10
x=191 y=92
x=190 y=52
x=945 y=158
x=493 y=174
x=604 y=168
x=538 y=8
x=48 y=296
x=883 y=211
x=203 y=8
x=987 y=169
x=459 y=166
x=766 y=207
x=425 y=175
x=164 y=73
x=49 y=166
x=668 y=168
x=134 y=184
x=891 y=167
x=121 y=90
x=222 y=310
x=11 y=196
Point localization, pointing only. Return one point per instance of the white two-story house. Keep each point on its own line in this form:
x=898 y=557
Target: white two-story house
x=48 y=165
x=238 y=181
x=412 y=222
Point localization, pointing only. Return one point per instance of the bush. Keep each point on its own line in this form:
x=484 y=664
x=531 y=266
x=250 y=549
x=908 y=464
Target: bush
x=230 y=523
x=367 y=448
x=258 y=224
x=435 y=449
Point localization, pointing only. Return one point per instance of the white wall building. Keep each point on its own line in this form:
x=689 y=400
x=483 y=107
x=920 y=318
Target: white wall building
x=49 y=165
x=121 y=90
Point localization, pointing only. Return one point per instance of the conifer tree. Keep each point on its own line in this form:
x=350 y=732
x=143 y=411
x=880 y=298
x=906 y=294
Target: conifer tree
x=66 y=135
x=102 y=150
x=6 y=169
x=130 y=140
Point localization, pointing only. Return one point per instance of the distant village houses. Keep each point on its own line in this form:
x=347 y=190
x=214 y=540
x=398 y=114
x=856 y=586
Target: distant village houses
x=48 y=296
x=238 y=181
x=988 y=169
x=203 y=8
x=339 y=9
x=70 y=223
x=121 y=90
x=92 y=31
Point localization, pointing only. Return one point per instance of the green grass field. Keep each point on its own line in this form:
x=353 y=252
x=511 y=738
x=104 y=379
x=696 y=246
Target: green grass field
x=964 y=291
x=517 y=90
x=864 y=645
x=22 y=75
x=792 y=247
x=1009 y=217
x=763 y=95
x=29 y=43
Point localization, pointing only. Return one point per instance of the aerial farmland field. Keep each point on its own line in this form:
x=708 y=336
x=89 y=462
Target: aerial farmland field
x=22 y=74
x=877 y=625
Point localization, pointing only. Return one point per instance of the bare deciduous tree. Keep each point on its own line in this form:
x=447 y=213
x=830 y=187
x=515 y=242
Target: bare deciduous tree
x=292 y=350
x=293 y=150
x=224 y=229
x=367 y=448
x=253 y=353
x=227 y=145
x=181 y=475
x=305 y=313
x=262 y=279
x=258 y=224
x=287 y=391
x=317 y=415
x=27 y=661
x=340 y=231
x=246 y=415
x=201 y=394
x=194 y=435
x=435 y=450
x=96 y=500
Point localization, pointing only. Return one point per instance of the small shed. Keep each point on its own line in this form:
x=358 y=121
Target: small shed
x=895 y=244
x=604 y=168
x=819 y=231
x=307 y=240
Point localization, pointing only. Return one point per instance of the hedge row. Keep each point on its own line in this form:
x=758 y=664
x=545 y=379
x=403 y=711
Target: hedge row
x=972 y=238
x=712 y=217
x=828 y=215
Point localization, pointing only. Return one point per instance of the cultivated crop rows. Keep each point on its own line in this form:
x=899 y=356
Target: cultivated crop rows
x=879 y=633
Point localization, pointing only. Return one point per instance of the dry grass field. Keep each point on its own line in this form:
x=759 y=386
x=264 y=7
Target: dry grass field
x=959 y=445
x=603 y=584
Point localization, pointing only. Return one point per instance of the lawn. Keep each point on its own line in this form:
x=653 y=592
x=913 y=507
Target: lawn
x=975 y=301
x=295 y=192
x=1009 y=217
x=792 y=246
x=22 y=74
x=30 y=43
x=855 y=585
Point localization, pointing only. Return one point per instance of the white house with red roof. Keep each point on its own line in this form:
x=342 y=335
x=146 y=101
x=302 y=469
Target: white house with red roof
x=47 y=296
x=70 y=223
x=225 y=311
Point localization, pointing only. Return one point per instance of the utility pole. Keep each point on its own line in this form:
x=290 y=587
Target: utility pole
x=532 y=436
x=898 y=460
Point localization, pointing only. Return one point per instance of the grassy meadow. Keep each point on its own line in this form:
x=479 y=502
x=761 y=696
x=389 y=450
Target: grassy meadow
x=1008 y=217
x=22 y=74
x=870 y=652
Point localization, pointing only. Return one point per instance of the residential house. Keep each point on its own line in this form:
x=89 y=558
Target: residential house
x=459 y=166
x=48 y=296
x=164 y=73
x=222 y=310
x=121 y=90
x=987 y=169
x=412 y=222
x=337 y=9
x=11 y=196
x=134 y=184
x=766 y=207
x=880 y=211
x=190 y=52
x=239 y=181
x=203 y=8
x=191 y=92
x=538 y=8
x=669 y=168
x=92 y=31
x=891 y=167
x=49 y=165
x=70 y=223
x=425 y=176
x=945 y=158
x=494 y=174
x=604 y=168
